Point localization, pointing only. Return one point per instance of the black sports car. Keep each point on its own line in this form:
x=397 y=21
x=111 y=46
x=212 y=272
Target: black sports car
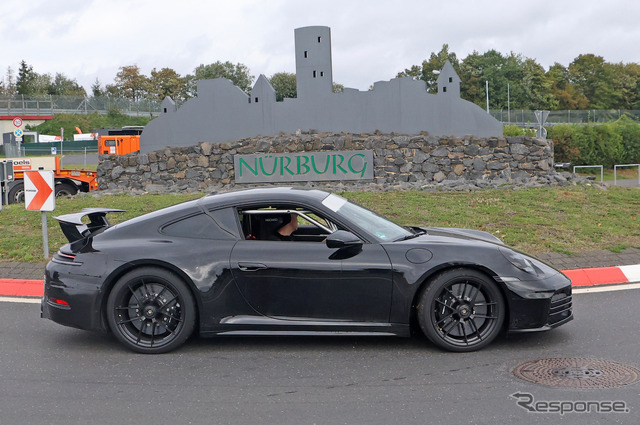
x=289 y=261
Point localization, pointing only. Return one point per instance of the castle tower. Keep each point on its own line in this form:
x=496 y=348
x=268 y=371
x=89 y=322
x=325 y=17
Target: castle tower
x=448 y=81
x=314 y=76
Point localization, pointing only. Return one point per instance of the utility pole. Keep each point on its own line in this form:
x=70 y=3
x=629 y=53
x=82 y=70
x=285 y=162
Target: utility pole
x=487 y=90
x=508 y=104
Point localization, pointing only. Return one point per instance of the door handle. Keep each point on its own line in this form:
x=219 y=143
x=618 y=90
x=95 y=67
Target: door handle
x=251 y=267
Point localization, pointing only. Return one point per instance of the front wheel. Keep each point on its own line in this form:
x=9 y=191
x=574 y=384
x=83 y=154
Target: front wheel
x=461 y=310
x=151 y=311
x=16 y=194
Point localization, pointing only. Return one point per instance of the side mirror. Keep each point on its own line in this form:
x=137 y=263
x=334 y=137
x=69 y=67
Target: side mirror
x=343 y=239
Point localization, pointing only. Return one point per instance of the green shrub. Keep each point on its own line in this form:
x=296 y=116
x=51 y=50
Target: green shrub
x=597 y=144
x=514 y=130
x=87 y=123
x=630 y=132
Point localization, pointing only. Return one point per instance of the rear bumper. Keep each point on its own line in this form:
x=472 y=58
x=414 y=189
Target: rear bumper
x=72 y=300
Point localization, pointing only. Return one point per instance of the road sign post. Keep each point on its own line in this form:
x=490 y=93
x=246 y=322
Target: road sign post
x=39 y=195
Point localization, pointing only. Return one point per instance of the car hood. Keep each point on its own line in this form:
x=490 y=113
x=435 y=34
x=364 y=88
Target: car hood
x=467 y=234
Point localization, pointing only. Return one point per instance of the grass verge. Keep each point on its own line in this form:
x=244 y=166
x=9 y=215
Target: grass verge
x=540 y=220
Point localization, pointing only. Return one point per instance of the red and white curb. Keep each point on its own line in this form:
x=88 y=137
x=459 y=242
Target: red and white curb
x=21 y=290
x=583 y=280
x=604 y=275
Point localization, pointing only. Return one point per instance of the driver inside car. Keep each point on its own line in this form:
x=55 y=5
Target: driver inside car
x=290 y=225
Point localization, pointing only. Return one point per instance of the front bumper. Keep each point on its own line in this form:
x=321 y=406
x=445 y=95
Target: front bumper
x=547 y=306
x=71 y=299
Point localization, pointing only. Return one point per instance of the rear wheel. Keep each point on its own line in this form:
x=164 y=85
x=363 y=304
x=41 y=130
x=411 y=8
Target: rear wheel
x=66 y=189
x=461 y=310
x=151 y=311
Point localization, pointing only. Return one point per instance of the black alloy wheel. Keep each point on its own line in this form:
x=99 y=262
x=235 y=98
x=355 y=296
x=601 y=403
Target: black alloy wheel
x=151 y=311
x=461 y=310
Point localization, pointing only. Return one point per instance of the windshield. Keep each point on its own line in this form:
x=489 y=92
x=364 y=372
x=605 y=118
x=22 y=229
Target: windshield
x=378 y=226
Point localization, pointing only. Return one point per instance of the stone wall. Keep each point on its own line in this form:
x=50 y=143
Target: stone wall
x=419 y=161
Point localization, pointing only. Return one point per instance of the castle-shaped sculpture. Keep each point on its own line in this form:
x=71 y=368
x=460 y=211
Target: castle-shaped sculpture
x=223 y=112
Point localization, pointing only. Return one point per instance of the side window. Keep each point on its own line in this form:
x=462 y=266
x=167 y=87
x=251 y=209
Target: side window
x=198 y=226
x=284 y=223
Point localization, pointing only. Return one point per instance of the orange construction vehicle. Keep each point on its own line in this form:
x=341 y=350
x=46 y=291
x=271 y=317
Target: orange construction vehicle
x=119 y=141
x=68 y=182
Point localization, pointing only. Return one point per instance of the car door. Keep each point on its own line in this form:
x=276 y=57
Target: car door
x=309 y=281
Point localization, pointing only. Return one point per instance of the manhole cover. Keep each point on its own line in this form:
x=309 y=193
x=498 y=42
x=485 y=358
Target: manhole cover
x=577 y=373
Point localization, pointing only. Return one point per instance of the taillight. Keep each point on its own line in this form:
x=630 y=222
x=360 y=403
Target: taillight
x=63 y=257
x=59 y=302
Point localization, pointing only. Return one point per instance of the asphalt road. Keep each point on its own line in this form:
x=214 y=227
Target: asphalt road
x=56 y=375
x=626 y=183
x=79 y=159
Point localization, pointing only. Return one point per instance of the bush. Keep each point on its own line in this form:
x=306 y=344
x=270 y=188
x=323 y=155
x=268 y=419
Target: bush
x=564 y=148
x=514 y=130
x=597 y=144
x=87 y=123
x=630 y=132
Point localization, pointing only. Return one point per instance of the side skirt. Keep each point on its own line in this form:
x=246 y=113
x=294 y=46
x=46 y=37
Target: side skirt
x=252 y=325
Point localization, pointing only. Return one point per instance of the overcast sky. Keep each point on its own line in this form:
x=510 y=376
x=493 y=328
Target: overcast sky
x=372 y=40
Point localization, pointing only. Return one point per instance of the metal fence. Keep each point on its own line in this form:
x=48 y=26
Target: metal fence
x=524 y=117
x=51 y=105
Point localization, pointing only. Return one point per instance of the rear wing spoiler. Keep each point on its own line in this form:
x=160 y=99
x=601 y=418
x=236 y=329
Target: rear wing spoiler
x=73 y=227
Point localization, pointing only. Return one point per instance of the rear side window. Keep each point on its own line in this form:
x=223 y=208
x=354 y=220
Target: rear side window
x=199 y=226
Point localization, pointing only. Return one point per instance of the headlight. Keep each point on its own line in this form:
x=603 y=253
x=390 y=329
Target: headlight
x=518 y=260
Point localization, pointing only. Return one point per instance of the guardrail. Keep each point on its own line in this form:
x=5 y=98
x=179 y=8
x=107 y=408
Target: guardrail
x=615 y=171
x=524 y=117
x=591 y=166
x=51 y=105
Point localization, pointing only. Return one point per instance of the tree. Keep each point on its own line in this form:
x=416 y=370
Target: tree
x=42 y=84
x=425 y=72
x=96 y=89
x=536 y=87
x=593 y=78
x=626 y=80
x=26 y=79
x=238 y=74
x=129 y=83
x=563 y=91
x=167 y=82
x=8 y=86
x=284 y=83
x=64 y=86
x=476 y=69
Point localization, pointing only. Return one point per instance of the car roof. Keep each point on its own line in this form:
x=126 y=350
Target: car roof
x=229 y=199
x=271 y=194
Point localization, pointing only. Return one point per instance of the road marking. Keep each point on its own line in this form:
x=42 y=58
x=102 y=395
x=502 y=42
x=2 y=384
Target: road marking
x=589 y=290
x=606 y=288
x=20 y=300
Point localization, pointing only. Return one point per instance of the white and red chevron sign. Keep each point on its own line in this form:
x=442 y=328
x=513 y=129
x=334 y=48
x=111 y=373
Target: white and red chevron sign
x=39 y=191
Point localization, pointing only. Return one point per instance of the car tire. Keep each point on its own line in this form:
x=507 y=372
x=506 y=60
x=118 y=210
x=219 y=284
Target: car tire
x=461 y=310
x=66 y=189
x=16 y=194
x=151 y=310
